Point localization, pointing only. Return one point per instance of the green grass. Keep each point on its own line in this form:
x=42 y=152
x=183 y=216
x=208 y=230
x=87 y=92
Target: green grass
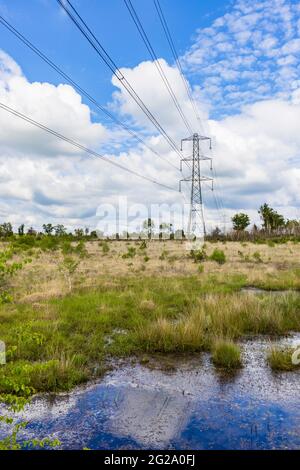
x=284 y=280
x=226 y=354
x=62 y=342
x=281 y=359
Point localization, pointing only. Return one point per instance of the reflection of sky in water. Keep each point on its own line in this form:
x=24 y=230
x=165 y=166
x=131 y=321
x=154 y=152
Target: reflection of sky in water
x=192 y=408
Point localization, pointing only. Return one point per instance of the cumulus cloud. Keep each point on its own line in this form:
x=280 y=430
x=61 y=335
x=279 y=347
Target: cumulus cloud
x=58 y=107
x=254 y=46
x=146 y=80
x=43 y=178
x=257 y=151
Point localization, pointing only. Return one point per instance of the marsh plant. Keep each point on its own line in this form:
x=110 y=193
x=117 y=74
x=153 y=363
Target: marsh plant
x=284 y=359
x=226 y=354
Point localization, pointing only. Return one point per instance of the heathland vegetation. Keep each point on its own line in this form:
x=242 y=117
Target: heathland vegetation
x=71 y=302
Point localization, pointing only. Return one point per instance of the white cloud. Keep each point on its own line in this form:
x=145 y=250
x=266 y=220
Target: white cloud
x=43 y=180
x=260 y=37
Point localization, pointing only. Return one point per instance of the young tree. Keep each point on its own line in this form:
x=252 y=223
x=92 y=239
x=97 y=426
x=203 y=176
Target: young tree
x=216 y=232
x=270 y=218
x=6 y=229
x=48 y=228
x=79 y=232
x=240 y=221
x=68 y=268
x=148 y=225
x=60 y=230
x=21 y=230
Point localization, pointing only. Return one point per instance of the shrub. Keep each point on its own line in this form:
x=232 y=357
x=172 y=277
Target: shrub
x=131 y=252
x=143 y=245
x=198 y=255
x=218 y=256
x=105 y=247
x=163 y=255
x=226 y=354
x=257 y=257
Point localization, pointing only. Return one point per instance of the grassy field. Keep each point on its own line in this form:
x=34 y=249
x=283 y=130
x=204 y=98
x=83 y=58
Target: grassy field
x=77 y=305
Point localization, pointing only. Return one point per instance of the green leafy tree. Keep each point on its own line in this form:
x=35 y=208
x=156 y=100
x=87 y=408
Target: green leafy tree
x=6 y=229
x=79 y=232
x=270 y=218
x=68 y=268
x=21 y=230
x=240 y=221
x=48 y=229
x=60 y=230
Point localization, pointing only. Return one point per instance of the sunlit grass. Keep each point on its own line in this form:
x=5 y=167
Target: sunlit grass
x=57 y=339
x=226 y=354
x=281 y=359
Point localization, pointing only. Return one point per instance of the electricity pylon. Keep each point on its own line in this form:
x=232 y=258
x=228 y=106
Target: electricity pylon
x=196 y=223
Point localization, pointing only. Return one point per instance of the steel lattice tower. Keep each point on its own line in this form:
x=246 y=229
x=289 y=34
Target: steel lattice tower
x=196 y=222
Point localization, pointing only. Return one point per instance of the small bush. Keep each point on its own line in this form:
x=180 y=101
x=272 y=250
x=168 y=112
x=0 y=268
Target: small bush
x=105 y=247
x=226 y=354
x=198 y=255
x=257 y=257
x=218 y=256
x=131 y=252
x=163 y=255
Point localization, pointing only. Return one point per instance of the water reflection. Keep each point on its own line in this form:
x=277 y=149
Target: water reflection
x=191 y=407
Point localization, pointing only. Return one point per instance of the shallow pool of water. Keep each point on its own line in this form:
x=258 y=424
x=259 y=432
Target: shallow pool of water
x=177 y=403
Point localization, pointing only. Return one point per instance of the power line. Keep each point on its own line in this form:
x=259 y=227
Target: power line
x=78 y=145
x=97 y=46
x=218 y=200
x=176 y=58
x=157 y=64
x=46 y=59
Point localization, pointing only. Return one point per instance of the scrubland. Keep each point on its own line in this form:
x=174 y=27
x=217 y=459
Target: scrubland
x=74 y=306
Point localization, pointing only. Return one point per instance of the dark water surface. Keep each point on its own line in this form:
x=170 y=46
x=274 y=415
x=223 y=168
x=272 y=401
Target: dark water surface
x=190 y=407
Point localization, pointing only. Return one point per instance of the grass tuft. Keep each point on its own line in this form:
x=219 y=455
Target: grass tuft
x=226 y=354
x=282 y=359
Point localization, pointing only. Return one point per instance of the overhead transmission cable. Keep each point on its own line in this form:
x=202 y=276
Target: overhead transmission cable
x=46 y=59
x=156 y=62
x=177 y=60
x=97 y=46
x=163 y=21
x=79 y=146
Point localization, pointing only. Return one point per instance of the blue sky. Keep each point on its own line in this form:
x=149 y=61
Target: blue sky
x=242 y=60
x=46 y=26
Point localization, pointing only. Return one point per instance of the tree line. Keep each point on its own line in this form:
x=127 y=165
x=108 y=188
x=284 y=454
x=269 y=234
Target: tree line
x=273 y=224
